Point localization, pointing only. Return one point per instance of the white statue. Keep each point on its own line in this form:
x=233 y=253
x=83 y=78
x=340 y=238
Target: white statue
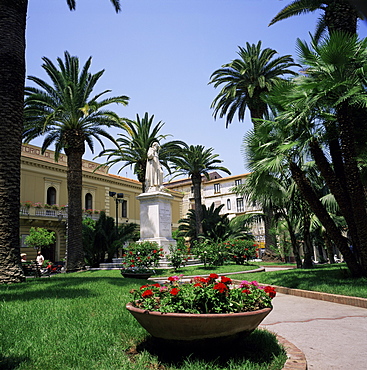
x=154 y=171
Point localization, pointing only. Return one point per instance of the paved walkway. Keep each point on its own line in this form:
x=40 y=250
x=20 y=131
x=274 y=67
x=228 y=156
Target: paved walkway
x=332 y=336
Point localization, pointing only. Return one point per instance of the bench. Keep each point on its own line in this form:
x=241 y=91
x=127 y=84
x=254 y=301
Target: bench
x=33 y=269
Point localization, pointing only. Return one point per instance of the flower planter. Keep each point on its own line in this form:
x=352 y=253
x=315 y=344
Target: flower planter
x=137 y=275
x=188 y=327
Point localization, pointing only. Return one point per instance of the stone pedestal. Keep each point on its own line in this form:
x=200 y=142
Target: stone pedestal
x=156 y=218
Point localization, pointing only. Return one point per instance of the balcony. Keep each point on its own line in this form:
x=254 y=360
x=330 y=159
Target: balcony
x=57 y=214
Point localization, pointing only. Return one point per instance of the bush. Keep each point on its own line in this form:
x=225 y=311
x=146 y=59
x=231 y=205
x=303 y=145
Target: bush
x=178 y=254
x=210 y=253
x=240 y=251
x=144 y=254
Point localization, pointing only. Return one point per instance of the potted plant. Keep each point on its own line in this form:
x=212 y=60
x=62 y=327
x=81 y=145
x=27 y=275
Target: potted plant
x=139 y=258
x=37 y=205
x=203 y=308
x=27 y=204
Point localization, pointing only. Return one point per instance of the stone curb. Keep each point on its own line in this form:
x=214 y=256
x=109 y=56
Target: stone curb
x=296 y=358
x=335 y=298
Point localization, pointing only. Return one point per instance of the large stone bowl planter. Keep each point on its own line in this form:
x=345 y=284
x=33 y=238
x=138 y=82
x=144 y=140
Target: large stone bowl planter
x=189 y=327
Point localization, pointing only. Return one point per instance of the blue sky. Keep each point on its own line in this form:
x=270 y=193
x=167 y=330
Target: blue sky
x=161 y=54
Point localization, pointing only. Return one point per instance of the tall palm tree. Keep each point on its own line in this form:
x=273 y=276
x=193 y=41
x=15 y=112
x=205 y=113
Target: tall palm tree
x=247 y=80
x=12 y=77
x=134 y=142
x=70 y=117
x=336 y=83
x=338 y=15
x=196 y=161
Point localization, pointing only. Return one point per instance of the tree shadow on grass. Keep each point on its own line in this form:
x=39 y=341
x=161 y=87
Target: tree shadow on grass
x=261 y=347
x=60 y=286
x=11 y=362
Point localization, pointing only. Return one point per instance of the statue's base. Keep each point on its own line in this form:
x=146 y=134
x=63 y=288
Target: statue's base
x=156 y=218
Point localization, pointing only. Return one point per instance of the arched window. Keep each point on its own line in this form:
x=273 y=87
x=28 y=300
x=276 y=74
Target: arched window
x=88 y=201
x=51 y=195
x=228 y=204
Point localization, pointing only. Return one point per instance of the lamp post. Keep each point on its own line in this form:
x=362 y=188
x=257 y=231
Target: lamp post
x=118 y=197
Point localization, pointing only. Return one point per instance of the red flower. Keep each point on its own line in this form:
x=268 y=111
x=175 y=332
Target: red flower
x=225 y=280
x=270 y=291
x=147 y=293
x=174 y=291
x=213 y=276
x=156 y=285
x=198 y=284
x=155 y=251
x=220 y=287
x=143 y=286
x=246 y=291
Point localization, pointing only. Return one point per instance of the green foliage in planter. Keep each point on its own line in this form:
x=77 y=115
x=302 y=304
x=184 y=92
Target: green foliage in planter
x=215 y=294
x=142 y=254
x=39 y=238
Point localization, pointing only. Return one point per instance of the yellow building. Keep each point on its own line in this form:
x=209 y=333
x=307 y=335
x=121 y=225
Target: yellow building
x=44 y=197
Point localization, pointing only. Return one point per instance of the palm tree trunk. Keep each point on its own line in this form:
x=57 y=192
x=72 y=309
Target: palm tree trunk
x=307 y=244
x=295 y=248
x=196 y=182
x=340 y=15
x=336 y=184
x=12 y=75
x=75 y=253
x=353 y=181
x=316 y=206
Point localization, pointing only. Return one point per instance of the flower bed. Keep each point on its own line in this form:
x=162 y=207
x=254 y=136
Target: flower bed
x=203 y=296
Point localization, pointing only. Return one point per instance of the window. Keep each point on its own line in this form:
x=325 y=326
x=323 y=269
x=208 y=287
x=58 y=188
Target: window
x=239 y=202
x=216 y=188
x=238 y=182
x=51 y=195
x=88 y=201
x=124 y=208
x=228 y=204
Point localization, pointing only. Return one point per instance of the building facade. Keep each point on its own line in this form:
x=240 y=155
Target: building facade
x=44 y=197
x=218 y=190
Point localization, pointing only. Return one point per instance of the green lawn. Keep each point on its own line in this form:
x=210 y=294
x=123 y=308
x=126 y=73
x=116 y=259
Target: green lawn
x=334 y=279
x=201 y=270
x=79 y=321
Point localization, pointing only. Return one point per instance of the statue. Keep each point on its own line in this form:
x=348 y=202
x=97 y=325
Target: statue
x=154 y=171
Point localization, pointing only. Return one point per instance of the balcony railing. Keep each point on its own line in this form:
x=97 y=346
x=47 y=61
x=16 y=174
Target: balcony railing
x=51 y=213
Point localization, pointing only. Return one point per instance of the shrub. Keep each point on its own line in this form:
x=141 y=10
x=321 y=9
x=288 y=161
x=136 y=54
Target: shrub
x=142 y=254
x=210 y=253
x=178 y=254
x=240 y=251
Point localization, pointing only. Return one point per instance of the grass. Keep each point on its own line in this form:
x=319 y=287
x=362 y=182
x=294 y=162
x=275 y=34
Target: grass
x=334 y=279
x=201 y=270
x=78 y=321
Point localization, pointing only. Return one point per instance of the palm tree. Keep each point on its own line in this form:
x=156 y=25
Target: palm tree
x=196 y=161
x=338 y=15
x=283 y=148
x=70 y=117
x=12 y=77
x=216 y=227
x=335 y=88
x=133 y=145
x=247 y=80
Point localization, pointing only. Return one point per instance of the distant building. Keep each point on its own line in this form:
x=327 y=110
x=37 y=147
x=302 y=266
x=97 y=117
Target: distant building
x=218 y=190
x=44 y=197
